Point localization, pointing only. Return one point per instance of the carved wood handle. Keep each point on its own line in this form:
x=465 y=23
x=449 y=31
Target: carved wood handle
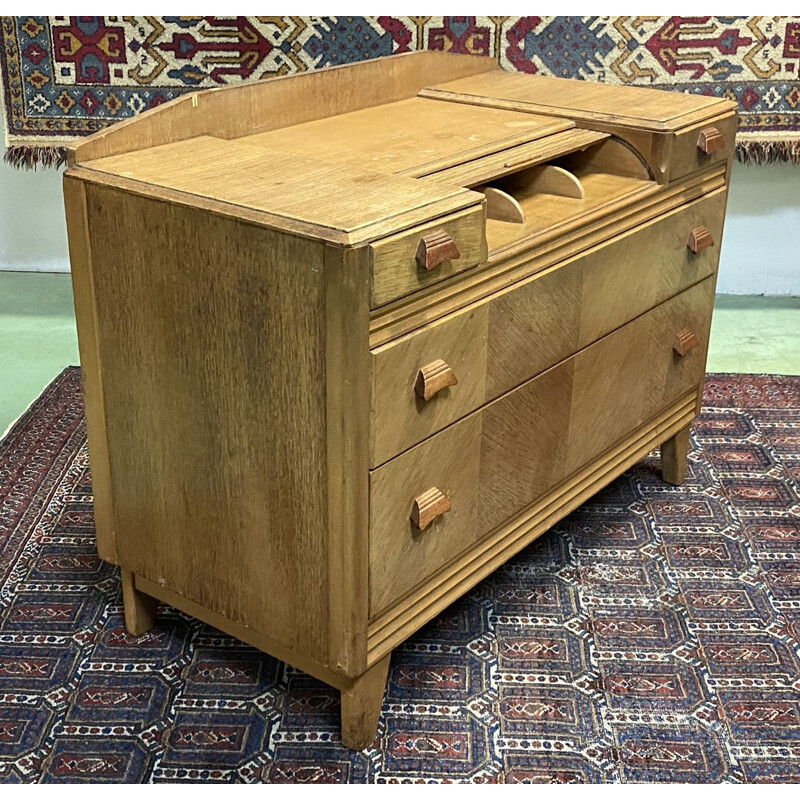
x=710 y=140
x=436 y=247
x=699 y=239
x=427 y=507
x=685 y=340
x=432 y=378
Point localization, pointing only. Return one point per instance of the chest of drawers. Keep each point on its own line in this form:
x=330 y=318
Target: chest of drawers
x=351 y=339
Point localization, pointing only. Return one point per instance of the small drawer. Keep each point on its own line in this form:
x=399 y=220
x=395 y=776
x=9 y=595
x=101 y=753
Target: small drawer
x=702 y=145
x=434 y=502
x=421 y=256
x=502 y=341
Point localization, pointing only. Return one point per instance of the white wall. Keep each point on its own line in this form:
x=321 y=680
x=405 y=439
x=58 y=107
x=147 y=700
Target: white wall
x=760 y=254
x=33 y=234
x=761 y=246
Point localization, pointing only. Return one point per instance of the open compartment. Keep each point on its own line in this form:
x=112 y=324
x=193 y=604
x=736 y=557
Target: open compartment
x=537 y=172
x=534 y=198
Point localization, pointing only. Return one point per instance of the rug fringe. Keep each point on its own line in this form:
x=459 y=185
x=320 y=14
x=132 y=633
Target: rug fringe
x=768 y=152
x=747 y=152
x=32 y=157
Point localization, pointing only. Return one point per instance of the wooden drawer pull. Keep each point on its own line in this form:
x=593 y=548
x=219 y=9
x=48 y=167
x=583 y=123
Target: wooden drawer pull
x=427 y=507
x=436 y=247
x=699 y=239
x=710 y=140
x=432 y=378
x=685 y=340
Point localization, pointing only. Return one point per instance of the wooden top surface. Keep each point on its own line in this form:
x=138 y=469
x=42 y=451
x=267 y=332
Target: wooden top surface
x=328 y=201
x=654 y=109
x=230 y=112
x=414 y=136
x=282 y=153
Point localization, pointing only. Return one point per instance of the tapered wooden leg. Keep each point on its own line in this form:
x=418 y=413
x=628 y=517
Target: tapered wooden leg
x=140 y=608
x=361 y=706
x=673 y=457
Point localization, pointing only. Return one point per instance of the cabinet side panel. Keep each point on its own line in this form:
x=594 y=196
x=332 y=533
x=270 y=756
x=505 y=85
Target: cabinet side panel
x=347 y=367
x=91 y=375
x=211 y=334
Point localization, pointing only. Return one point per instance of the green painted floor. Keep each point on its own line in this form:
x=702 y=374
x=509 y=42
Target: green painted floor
x=755 y=334
x=37 y=336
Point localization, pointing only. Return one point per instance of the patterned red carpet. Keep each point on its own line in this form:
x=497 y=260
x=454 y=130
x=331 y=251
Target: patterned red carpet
x=651 y=636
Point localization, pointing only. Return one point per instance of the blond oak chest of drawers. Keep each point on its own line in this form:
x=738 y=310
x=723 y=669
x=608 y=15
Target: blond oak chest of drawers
x=351 y=339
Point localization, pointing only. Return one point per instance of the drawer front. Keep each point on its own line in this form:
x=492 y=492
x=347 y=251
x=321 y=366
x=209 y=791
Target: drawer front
x=717 y=136
x=419 y=257
x=506 y=339
x=502 y=458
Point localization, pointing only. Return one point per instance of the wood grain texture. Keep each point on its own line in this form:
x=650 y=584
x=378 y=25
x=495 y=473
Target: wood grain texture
x=415 y=136
x=585 y=100
x=501 y=206
x=549 y=211
x=649 y=143
x=507 y=455
x=433 y=378
x=213 y=348
x=651 y=121
x=396 y=272
x=435 y=248
x=538 y=252
x=612 y=155
x=326 y=393
x=331 y=202
x=84 y=297
x=544 y=179
x=279 y=102
x=683 y=155
x=361 y=706
x=347 y=284
x=140 y=608
x=674 y=453
x=400 y=555
x=398 y=418
x=248 y=635
x=428 y=507
x=504 y=340
x=491 y=167
x=422 y=605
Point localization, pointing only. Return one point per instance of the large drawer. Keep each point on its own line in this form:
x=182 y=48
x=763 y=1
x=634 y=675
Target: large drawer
x=491 y=465
x=502 y=341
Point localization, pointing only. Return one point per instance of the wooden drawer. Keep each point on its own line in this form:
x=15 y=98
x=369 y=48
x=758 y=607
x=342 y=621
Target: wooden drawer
x=399 y=263
x=718 y=136
x=500 y=459
x=506 y=339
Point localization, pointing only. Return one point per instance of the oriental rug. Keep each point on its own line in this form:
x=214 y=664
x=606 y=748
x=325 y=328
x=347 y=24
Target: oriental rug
x=65 y=77
x=651 y=636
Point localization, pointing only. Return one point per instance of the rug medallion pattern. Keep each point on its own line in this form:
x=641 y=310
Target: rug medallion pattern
x=653 y=635
x=70 y=76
